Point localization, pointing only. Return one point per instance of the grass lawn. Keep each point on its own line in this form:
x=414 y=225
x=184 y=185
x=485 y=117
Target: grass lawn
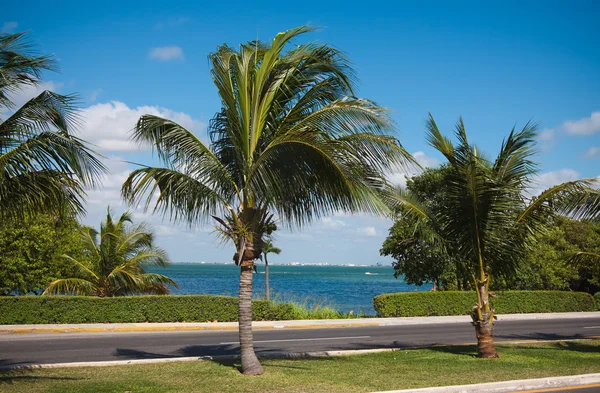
x=360 y=373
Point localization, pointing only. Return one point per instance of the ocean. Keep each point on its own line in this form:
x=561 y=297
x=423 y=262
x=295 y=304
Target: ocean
x=346 y=288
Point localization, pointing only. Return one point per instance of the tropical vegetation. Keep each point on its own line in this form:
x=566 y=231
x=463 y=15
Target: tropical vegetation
x=32 y=249
x=487 y=221
x=268 y=248
x=291 y=140
x=113 y=262
x=559 y=258
x=44 y=166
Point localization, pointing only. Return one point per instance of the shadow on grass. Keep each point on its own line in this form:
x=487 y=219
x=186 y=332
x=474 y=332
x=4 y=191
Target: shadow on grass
x=471 y=350
x=11 y=376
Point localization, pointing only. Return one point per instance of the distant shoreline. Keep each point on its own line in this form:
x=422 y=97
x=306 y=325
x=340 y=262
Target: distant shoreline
x=282 y=264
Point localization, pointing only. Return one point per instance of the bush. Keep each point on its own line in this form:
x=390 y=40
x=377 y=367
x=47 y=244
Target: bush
x=417 y=304
x=597 y=297
x=83 y=309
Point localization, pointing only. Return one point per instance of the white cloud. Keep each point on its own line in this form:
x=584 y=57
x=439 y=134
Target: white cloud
x=583 y=126
x=546 y=135
x=108 y=125
x=171 y=22
x=331 y=223
x=367 y=231
x=592 y=152
x=20 y=97
x=546 y=180
x=95 y=95
x=9 y=27
x=399 y=178
x=166 y=53
x=109 y=192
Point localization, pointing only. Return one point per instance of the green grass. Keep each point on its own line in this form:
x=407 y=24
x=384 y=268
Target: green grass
x=360 y=373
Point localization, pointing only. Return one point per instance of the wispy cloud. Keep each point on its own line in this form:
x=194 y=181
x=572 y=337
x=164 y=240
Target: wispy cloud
x=95 y=95
x=543 y=181
x=9 y=27
x=367 y=231
x=546 y=137
x=584 y=126
x=592 y=152
x=399 y=178
x=171 y=22
x=166 y=53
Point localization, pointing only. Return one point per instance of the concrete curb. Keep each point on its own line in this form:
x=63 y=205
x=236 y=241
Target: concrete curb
x=593 y=380
x=261 y=325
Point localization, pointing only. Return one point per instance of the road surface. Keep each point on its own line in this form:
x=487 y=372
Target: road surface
x=79 y=347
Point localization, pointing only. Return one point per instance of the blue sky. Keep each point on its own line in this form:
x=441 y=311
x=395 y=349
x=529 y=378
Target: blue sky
x=497 y=66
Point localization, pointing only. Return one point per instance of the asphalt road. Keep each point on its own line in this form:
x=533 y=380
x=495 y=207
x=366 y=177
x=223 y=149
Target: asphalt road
x=75 y=347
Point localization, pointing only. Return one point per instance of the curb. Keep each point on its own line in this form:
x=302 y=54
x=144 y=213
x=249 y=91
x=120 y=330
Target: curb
x=262 y=325
x=589 y=380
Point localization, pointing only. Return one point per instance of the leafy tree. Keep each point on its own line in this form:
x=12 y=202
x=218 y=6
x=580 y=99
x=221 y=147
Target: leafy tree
x=486 y=218
x=268 y=248
x=419 y=256
x=31 y=251
x=560 y=258
x=43 y=165
x=290 y=140
x=114 y=263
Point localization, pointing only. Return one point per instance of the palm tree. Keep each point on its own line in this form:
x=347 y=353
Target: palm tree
x=488 y=220
x=268 y=248
x=114 y=264
x=43 y=166
x=291 y=141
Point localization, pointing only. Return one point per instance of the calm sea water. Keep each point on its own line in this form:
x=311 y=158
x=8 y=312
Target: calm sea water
x=346 y=288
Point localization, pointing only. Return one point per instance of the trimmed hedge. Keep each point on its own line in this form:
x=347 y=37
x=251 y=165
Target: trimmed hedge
x=597 y=297
x=83 y=309
x=418 y=304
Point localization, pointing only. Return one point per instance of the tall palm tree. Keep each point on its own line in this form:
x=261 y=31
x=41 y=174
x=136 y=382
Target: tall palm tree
x=43 y=165
x=487 y=219
x=291 y=141
x=268 y=248
x=114 y=264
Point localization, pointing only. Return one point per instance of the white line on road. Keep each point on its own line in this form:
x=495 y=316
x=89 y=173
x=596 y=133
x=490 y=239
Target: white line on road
x=591 y=327
x=301 y=339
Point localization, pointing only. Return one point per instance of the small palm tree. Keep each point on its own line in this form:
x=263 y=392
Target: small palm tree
x=290 y=140
x=114 y=264
x=43 y=166
x=268 y=248
x=487 y=219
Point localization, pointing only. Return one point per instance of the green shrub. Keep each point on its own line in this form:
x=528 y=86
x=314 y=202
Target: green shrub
x=82 y=309
x=597 y=298
x=416 y=304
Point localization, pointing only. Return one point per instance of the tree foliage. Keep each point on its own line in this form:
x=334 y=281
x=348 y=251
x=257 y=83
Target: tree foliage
x=291 y=141
x=113 y=262
x=43 y=165
x=486 y=218
x=419 y=255
x=31 y=249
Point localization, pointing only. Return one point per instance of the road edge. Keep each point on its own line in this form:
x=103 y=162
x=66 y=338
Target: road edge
x=261 y=325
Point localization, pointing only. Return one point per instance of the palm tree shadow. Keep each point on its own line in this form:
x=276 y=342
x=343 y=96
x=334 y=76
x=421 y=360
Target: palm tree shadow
x=23 y=374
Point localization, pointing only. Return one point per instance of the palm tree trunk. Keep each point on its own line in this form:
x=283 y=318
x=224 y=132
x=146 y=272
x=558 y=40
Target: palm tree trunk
x=268 y=294
x=483 y=320
x=250 y=363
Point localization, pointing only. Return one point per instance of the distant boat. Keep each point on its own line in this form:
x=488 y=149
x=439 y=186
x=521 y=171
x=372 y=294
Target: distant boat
x=368 y=273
